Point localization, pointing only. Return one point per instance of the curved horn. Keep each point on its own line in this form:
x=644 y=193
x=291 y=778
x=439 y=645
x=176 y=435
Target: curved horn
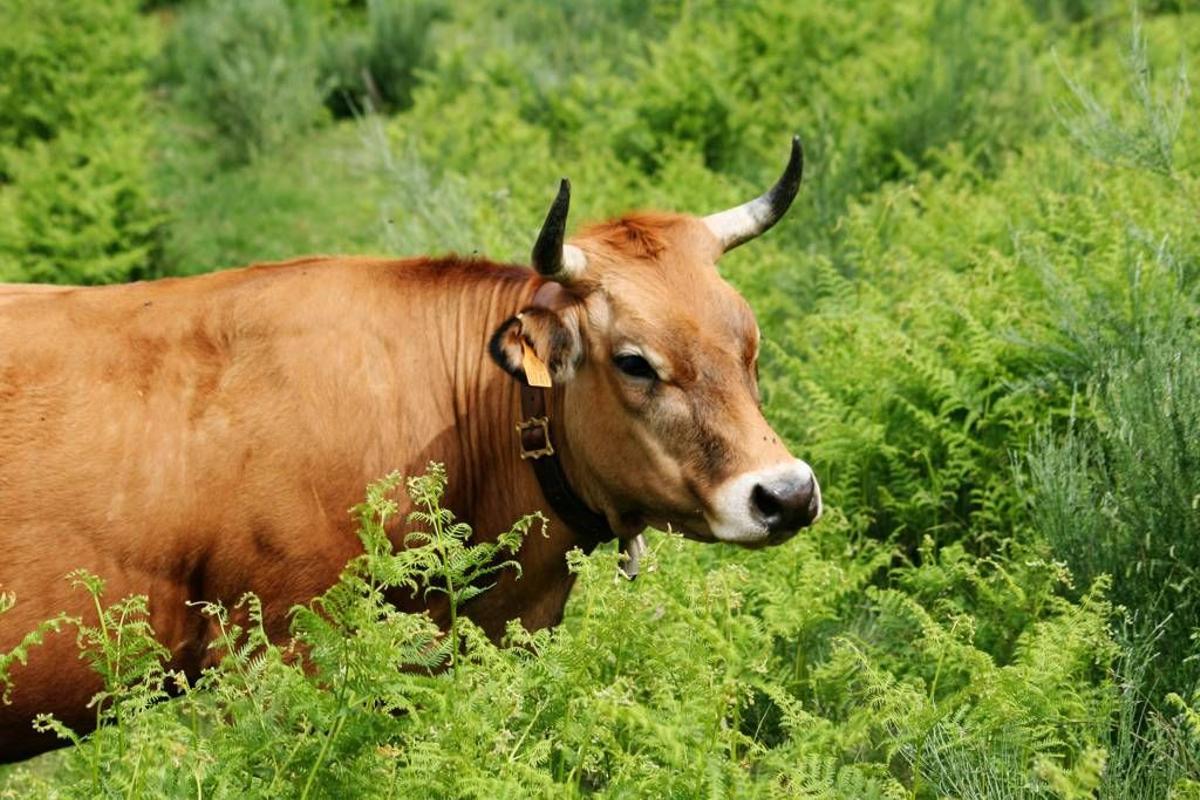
x=550 y=256
x=742 y=223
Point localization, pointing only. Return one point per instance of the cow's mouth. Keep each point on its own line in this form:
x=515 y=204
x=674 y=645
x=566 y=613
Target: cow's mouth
x=693 y=526
x=629 y=524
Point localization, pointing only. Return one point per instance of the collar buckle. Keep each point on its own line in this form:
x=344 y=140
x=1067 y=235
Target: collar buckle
x=533 y=437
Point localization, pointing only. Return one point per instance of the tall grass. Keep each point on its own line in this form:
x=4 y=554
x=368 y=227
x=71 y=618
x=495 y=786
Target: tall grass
x=1120 y=499
x=1117 y=493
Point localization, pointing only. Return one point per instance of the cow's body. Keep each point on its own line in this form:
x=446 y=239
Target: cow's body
x=201 y=438
x=196 y=439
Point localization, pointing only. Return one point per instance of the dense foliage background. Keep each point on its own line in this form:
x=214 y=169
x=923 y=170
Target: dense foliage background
x=981 y=325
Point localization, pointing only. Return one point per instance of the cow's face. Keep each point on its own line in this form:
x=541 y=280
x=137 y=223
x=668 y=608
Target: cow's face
x=657 y=357
x=663 y=410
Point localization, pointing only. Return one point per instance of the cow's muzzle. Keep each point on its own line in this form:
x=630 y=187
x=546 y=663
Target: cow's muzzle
x=766 y=506
x=787 y=502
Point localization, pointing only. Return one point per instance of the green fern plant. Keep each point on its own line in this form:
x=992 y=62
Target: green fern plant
x=443 y=559
x=20 y=653
x=122 y=650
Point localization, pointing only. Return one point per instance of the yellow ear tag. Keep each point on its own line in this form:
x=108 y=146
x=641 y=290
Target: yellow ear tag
x=535 y=369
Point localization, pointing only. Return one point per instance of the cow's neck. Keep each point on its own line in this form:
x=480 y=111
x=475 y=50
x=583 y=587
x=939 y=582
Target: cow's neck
x=490 y=485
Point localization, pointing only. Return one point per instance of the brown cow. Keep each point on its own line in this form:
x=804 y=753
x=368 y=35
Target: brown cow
x=200 y=438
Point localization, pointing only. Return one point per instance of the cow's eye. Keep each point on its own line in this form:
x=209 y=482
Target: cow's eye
x=635 y=366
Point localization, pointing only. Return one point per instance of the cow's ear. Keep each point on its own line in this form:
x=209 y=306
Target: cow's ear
x=537 y=344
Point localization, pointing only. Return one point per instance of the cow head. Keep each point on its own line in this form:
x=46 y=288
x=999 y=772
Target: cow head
x=654 y=357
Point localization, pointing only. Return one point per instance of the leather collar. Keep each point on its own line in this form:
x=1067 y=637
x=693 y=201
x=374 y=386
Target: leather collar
x=537 y=437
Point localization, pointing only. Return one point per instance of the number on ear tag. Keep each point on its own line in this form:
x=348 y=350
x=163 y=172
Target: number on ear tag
x=536 y=371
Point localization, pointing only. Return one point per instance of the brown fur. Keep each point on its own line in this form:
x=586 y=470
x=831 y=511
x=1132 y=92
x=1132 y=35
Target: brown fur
x=643 y=235
x=196 y=439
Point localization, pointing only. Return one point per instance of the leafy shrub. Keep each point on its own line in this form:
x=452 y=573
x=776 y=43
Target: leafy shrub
x=74 y=187
x=376 y=65
x=249 y=70
x=1148 y=141
x=67 y=70
x=82 y=211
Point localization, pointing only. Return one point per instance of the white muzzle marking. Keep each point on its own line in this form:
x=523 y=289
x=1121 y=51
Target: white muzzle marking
x=734 y=517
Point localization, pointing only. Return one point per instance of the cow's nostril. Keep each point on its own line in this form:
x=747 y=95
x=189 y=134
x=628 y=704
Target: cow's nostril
x=767 y=505
x=784 y=505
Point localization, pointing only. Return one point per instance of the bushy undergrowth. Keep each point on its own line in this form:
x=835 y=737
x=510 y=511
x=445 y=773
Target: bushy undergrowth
x=249 y=69
x=375 y=65
x=259 y=74
x=980 y=326
x=681 y=684
x=75 y=198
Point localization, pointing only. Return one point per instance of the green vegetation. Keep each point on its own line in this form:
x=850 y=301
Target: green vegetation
x=981 y=323
x=248 y=69
x=76 y=205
